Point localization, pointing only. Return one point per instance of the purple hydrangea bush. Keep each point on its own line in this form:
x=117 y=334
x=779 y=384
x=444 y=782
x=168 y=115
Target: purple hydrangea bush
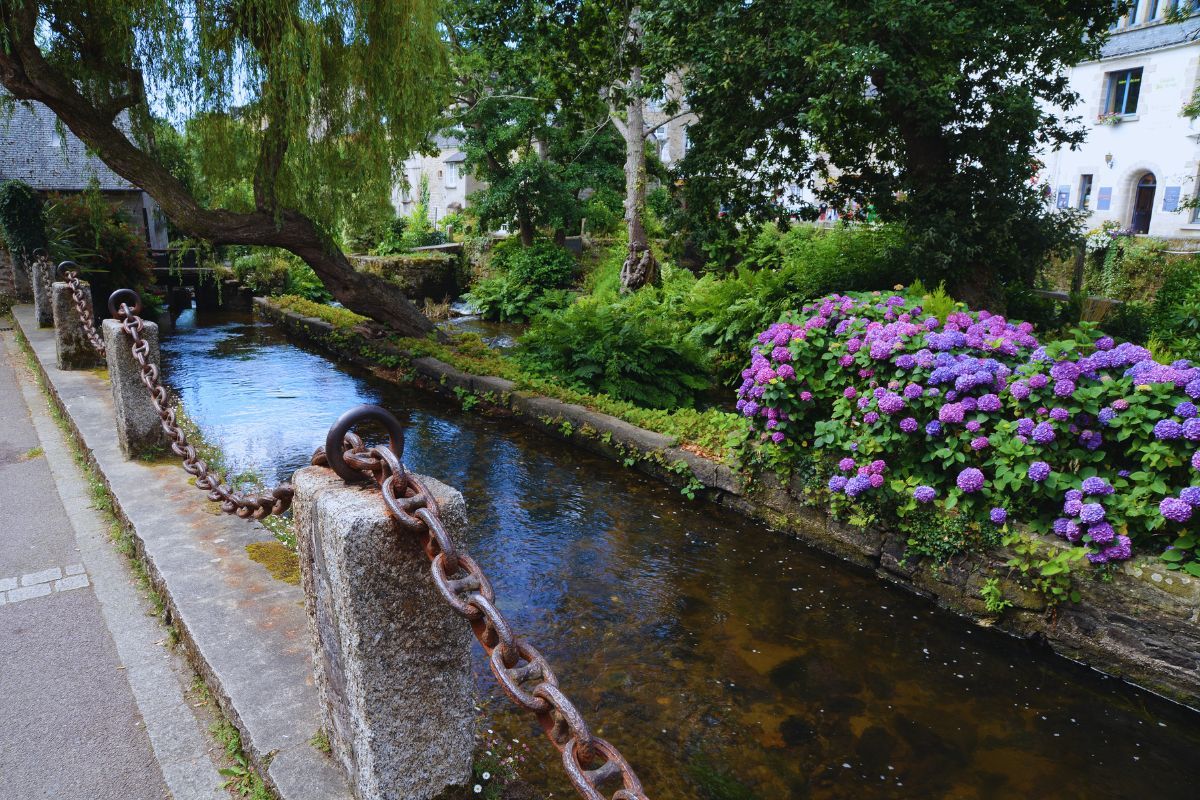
x=973 y=418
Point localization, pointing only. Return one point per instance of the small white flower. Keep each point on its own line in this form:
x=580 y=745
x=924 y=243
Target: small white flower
x=487 y=776
x=478 y=789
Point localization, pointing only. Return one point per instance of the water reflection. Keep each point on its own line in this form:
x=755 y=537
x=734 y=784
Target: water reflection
x=725 y=660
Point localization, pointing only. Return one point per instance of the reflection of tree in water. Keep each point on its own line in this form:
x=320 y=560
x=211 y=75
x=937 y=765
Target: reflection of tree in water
x=725 y=660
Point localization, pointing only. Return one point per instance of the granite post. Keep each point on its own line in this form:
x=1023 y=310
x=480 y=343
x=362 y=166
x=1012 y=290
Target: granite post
x=43 y=292
x=392 y=660
x=72 y=348
x=139 y=428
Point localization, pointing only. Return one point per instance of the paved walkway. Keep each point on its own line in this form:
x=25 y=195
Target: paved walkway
x=92 y=704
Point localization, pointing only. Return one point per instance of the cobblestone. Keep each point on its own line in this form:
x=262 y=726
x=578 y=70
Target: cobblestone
x=42 y=583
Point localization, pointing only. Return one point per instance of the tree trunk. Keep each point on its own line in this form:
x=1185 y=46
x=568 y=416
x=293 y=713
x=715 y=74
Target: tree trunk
x=26 y=74
x=640 y=267
x=525 y=228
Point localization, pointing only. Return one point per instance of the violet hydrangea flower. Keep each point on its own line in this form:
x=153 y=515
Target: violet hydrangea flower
x=924 y=494
x=1175 y=509
x=1091 y=513
x=999 y=516
x=1038 y=471
x=970 y=480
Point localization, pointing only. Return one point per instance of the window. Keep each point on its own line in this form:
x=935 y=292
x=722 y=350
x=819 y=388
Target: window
x=451 y=176
x=1085 y=192
x=1124 y=88
x=1131 y=16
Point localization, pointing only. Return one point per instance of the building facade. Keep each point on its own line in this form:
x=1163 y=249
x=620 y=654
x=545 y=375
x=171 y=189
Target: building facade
x=36 y=149
x=1140 y=163
x=450 y=183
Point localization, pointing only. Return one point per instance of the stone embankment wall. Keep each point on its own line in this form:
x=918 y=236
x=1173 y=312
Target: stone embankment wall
x=1143 y=624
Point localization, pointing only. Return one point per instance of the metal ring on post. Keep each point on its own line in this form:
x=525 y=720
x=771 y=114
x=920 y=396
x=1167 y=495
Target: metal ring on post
x=118 y=298
x=359 y=414
x=64 y=267
x=41 y=250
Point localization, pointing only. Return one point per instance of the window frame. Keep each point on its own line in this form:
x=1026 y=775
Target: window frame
x=1115 y=80
x=1087 y=183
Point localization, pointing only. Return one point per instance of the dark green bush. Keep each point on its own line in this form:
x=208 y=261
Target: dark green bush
x=624 y=347
x=783 y=270
x=267 y=271
x=21 y=223
x=86 y=229
x=1175 y=318
x=523 y=281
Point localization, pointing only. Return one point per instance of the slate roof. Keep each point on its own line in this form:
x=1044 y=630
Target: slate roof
x=33 y=150
x=1151 y=37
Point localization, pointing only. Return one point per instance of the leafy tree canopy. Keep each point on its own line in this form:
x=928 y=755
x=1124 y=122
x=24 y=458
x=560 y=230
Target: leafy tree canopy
x=301 y=102
x=934 y=111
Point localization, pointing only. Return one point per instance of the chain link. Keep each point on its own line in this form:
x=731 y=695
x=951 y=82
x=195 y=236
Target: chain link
x=83 y=310
x=520 y=669
x=522 y=672
x=245 y=506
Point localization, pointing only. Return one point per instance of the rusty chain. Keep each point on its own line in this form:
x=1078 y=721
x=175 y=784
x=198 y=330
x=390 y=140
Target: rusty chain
x=81 y=305
x=520 y=669
x=522 y=672
x=246 y=506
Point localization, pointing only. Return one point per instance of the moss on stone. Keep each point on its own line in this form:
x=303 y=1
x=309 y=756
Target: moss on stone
x=282 y=563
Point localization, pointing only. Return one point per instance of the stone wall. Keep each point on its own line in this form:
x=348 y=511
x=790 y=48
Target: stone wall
x=7 y=278
x=1142 y=625
x=433 y=275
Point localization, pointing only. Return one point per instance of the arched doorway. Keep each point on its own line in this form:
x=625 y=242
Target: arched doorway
x=1143 y=203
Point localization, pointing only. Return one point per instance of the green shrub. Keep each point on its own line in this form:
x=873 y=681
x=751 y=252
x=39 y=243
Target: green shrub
x=604 y=212
x=783 y=270
x=524 y=281
x=267 y=271
x=22 y=226
x=85 y=228
x=1175 y=318
x=625 y=347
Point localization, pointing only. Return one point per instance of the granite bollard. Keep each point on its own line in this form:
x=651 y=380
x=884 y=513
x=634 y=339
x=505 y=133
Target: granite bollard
x=392 y=660
x=72 y=348
x=139 y=428
x=43 y=292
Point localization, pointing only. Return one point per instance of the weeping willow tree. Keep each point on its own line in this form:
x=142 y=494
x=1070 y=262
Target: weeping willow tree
x=304 y=105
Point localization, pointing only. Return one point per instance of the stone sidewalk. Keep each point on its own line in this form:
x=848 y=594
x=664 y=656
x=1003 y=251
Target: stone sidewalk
x=243 y=631
x=92 y=705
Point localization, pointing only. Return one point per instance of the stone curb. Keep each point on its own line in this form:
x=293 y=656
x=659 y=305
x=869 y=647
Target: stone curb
x=1143 y=625
x=244 y=632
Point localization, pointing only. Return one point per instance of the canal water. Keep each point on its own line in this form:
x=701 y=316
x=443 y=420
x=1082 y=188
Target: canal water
x=727 y=661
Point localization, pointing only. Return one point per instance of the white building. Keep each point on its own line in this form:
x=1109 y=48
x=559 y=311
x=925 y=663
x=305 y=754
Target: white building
x=1141 y=160
x=450 y=183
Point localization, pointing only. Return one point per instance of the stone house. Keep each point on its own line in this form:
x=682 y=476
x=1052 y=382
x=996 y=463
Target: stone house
x=36 y=149
x=1141 y=160
x=450 y=184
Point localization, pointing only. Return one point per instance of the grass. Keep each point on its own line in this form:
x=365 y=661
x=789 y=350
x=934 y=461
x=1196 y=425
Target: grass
x=241 y=778
x=32 y=453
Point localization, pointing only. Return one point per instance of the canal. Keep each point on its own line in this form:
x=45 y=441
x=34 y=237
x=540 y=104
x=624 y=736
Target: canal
x=726 y=661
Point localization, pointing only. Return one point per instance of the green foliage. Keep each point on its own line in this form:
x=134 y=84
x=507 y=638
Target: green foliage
x=86 y=229
x=993 y=597
x=525 y=281
x=268 y=271
x=604 y=212
x=939 y=536
x=1175 y=316
x=783 y=270
x=21 y=224
x=932 y=111
x=1124 y=267
x=405 y=233
x=340 y=318
x=1047 y=569
x=620 y=346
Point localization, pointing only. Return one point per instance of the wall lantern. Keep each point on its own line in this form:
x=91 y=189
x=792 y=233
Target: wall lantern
x=1108 y=159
